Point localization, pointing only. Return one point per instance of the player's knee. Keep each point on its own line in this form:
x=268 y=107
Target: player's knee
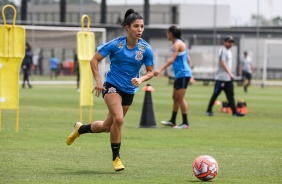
x=118 y=121
x=178 y=98
x=174 y=97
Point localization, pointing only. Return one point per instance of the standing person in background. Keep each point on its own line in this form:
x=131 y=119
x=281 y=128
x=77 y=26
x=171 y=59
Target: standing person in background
x=53 y=61
x=40 y=61
x=76 y=69
x=127 y=55
x=181 y=64
x=35 y=61
x=224 y=78
x=246 y=70
x=26 y=65
x=119 y=20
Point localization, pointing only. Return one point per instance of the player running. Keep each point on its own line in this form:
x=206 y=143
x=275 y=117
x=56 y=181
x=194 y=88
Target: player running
x=127 y=55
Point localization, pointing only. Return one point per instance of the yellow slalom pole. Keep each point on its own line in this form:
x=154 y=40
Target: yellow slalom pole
x=12 y=52
x=85 y=51
x=90 y=114
x=82 y=22
x=80 y=113
x=3 y=14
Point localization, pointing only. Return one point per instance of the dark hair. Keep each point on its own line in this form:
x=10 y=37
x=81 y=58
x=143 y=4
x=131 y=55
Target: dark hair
x=28 y=46
x=129 y=17
x=229 y=39
x=176 y=32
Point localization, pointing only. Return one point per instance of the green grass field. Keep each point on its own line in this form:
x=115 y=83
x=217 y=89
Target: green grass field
x=248 y=150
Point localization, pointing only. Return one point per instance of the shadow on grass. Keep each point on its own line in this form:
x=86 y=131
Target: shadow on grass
x=198 y=181
x=64 y=171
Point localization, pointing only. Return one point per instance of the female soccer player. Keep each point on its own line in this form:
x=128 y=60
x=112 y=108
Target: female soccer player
x=127 y=55
x=181 y=63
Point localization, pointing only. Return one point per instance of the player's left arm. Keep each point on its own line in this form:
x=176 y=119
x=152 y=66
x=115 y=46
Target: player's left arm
x=192 y=79
x=148 y=75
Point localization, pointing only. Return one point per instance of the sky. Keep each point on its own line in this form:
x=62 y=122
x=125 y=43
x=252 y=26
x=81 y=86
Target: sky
x=241 y=10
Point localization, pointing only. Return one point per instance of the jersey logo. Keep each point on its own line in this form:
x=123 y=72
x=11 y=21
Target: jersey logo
x=141 y=47
x=120 y=45
x=139 y=55
x=112 y=90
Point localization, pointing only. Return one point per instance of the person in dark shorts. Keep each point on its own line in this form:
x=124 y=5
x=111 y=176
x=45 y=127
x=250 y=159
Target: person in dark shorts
x=127 y=55
x=224 y=78
x=181 y=64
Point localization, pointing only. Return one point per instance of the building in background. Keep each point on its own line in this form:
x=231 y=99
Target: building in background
x=204 y=27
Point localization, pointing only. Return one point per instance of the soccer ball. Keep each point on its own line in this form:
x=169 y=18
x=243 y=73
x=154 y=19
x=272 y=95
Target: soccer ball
x=205 y=167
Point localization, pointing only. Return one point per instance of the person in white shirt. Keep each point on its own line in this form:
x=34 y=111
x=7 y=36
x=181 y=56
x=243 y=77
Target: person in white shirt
x=224 y=78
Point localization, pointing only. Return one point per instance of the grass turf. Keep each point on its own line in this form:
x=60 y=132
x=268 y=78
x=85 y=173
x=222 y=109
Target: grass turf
x=248 y=149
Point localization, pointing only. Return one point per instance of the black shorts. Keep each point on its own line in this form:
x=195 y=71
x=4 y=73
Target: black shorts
x=127 y=99
x=247 y=75
x=181 y=83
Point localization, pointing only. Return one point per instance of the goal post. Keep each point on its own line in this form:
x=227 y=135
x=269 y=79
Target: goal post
x=267 y=44
x=60 y=40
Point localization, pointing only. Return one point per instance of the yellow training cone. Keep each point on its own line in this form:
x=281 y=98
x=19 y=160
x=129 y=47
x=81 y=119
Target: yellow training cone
x=85 y=52
x=12 y=52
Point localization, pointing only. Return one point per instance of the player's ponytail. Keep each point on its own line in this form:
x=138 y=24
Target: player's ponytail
x=129 y=17
x=176 y=32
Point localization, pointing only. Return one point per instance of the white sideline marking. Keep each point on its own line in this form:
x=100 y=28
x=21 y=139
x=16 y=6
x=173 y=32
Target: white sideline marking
x=51 y=82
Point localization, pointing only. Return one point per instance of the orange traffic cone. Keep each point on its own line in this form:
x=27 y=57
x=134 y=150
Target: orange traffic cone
x=148 y=116
x=226 y=107
x=242 y=107
x=217 y=102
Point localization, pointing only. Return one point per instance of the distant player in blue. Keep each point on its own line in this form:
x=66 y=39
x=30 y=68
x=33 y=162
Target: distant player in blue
x=53 y=65
x=181 y=63
x=127 y=55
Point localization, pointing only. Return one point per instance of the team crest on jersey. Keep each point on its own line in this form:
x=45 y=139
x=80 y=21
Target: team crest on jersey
x=141 y=47
x=138 y=55
x=112 y=90
x=120 y=45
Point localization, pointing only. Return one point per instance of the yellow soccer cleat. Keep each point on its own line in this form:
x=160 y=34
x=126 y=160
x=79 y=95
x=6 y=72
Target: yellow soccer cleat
x=74 y=134
x=117 y=164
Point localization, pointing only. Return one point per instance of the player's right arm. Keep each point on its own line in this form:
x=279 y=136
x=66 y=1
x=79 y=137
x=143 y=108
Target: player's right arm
x=225 y=67
x=174 y=54
x=223 y=58
x=98 y=87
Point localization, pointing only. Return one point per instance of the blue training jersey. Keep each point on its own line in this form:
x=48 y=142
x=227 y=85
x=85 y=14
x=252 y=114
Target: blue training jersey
x=126 y=63
x=181 y=66
x=53 y=63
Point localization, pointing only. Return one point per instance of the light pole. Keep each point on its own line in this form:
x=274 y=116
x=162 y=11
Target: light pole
x=214 y=33
x=257 y=34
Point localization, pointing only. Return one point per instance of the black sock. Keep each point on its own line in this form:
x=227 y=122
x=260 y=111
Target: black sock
x=85 y=129
x=115 y=150
x=173 y=117
x=185 y=119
